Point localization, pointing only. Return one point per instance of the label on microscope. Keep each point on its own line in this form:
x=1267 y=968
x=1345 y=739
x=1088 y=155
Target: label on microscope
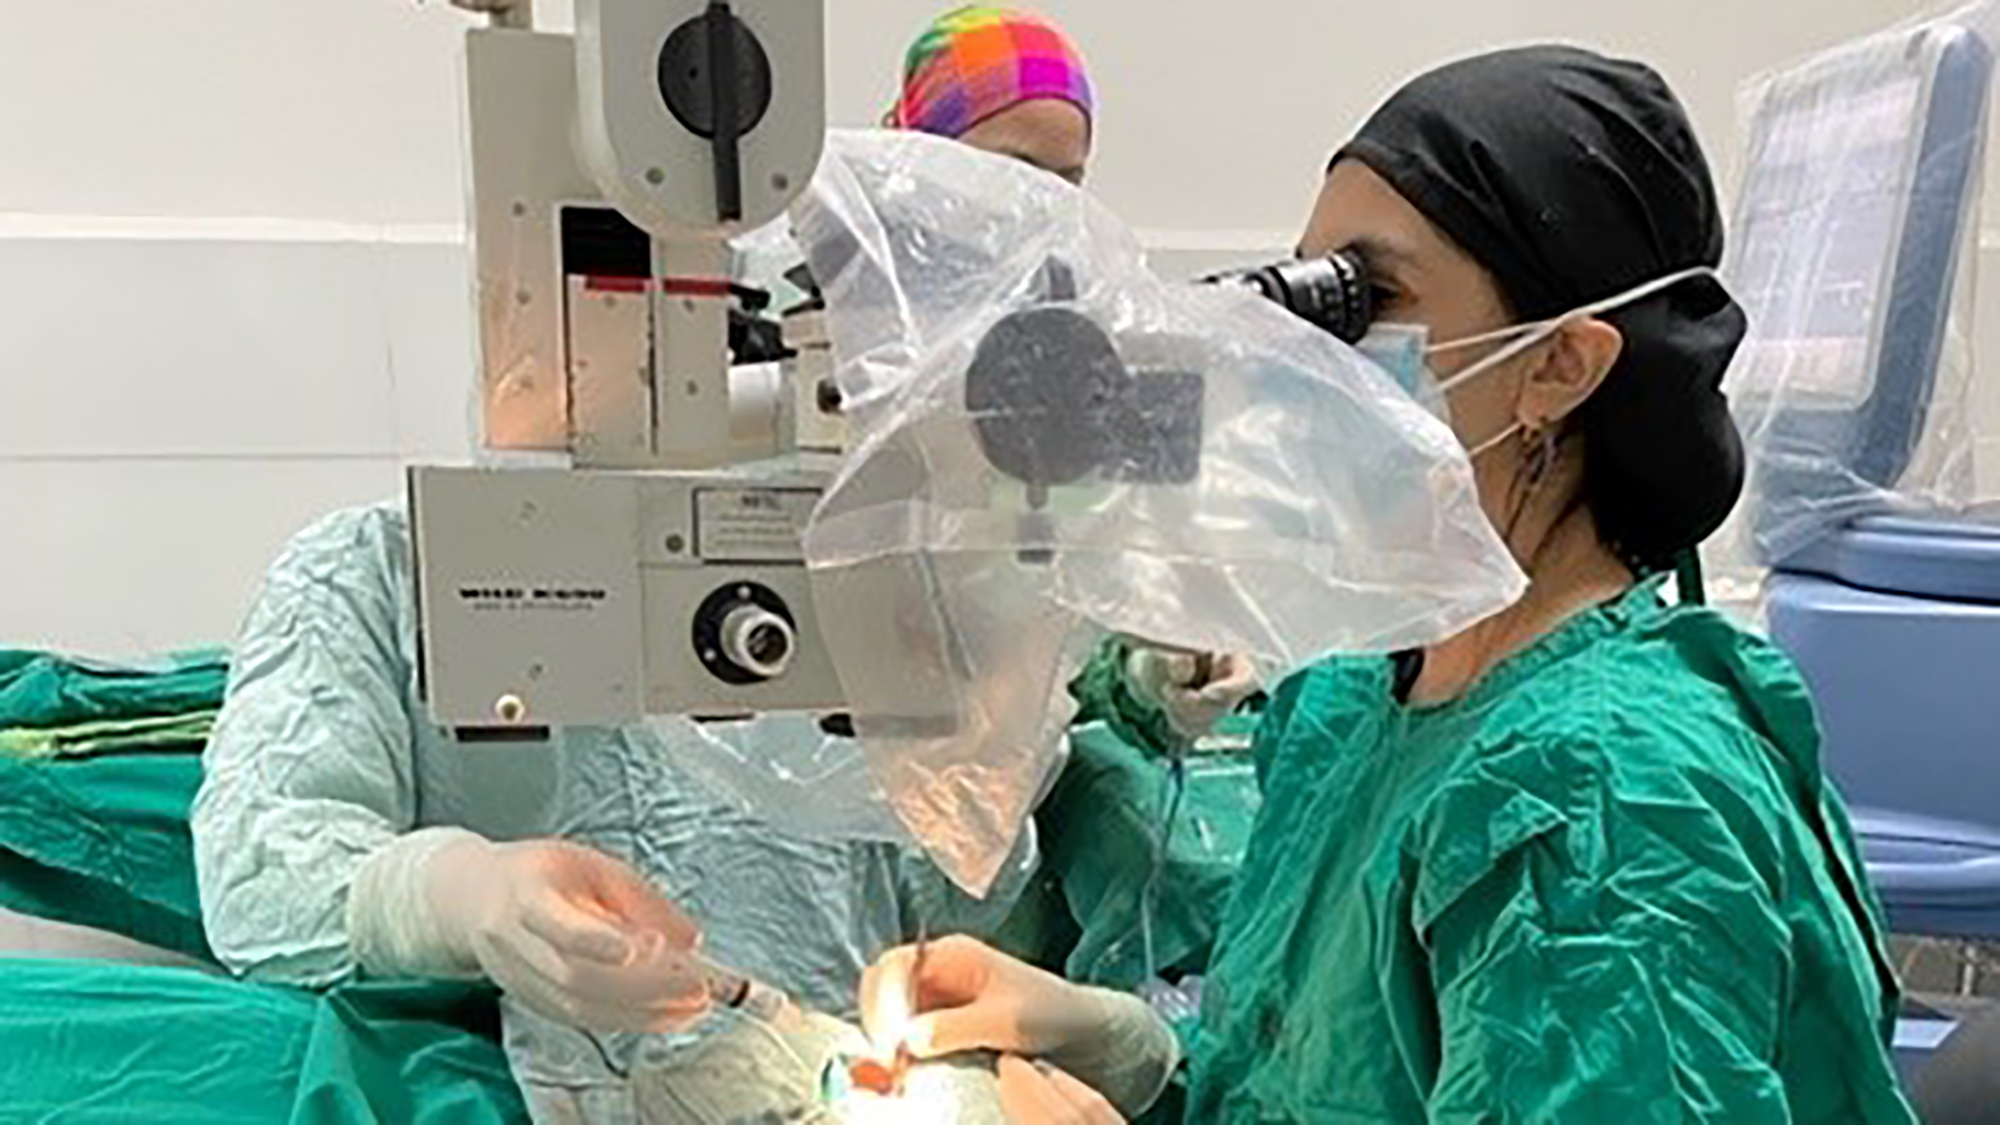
x=752 y=524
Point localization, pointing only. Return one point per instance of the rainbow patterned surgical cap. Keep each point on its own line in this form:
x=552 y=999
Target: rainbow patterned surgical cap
x=977 y=61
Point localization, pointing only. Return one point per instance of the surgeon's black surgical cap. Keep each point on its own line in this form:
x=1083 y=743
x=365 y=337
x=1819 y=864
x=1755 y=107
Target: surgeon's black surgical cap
x=1573 y=177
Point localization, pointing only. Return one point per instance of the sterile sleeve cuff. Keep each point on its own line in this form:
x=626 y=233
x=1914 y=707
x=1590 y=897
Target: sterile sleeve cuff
x=390 y=919
x=1103 y=695
x=1131 y=1058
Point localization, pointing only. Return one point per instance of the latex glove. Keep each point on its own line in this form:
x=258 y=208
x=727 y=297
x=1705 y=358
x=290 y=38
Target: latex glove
x=1040 y=1094
x=745 y=1071
x=1194 y=690
x=569 y=932
x=971 y=997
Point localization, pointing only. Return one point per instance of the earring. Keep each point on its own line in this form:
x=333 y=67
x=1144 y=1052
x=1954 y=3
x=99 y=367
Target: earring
x=1537 y=459
x=1540 y=439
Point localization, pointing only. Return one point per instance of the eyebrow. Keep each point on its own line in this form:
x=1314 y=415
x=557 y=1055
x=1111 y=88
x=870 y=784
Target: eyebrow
x=1379 y=253
x=1371 y=249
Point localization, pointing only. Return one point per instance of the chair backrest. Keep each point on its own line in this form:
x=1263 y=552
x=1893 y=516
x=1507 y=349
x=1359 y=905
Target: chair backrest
x=1859 y=185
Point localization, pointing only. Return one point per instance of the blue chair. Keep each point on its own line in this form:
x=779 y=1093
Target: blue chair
x=1894 y=618
x=1908 y=687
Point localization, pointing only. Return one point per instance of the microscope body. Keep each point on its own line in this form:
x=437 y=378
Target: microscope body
x=645 y=557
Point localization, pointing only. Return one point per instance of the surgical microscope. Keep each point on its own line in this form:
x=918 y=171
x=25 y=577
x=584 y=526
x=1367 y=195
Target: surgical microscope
x=643 y=557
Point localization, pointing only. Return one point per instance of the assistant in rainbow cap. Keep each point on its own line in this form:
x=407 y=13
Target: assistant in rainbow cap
x=1002 y=80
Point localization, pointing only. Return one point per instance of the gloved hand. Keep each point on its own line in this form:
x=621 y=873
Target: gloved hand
x=571 y=933
x=971 y=997
x=1194 y=690
x=1040 y=1094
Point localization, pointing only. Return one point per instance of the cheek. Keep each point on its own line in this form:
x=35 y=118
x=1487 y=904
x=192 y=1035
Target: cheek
x=1485 y=404
x=1494 y=475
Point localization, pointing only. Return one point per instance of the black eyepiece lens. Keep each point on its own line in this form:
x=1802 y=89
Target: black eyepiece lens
x=1331 y=292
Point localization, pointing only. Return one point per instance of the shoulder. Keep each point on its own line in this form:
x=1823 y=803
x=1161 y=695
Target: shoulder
x=1682 y=689
x=1676 y=737
x=370 y=543
x=1682 y=701
x=347 y=573
x=1320 y=708
x=329 y=642
x=1325 y=690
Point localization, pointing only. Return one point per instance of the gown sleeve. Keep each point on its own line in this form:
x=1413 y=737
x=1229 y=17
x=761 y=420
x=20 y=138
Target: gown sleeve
x=1617 y=956
x=309 y=771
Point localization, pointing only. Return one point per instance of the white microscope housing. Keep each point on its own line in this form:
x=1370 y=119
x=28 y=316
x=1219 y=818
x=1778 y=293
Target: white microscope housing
x=646 y=559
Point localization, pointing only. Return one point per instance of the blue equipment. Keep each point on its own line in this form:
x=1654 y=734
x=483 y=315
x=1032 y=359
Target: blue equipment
x=1857 y=210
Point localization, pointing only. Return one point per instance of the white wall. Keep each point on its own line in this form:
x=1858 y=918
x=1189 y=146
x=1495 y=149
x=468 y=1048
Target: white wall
x=1217 y=116
x=231 y=294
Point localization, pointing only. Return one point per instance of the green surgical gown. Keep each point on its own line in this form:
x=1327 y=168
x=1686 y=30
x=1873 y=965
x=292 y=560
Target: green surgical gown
x=1612 y=884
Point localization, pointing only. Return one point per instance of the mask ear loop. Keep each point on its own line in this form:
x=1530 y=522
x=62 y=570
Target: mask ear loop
x=1525 y=336
x=1535 y=335
x=1494 y=442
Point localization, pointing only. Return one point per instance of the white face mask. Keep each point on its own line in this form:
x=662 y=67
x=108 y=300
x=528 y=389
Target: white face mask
x=1405 y=350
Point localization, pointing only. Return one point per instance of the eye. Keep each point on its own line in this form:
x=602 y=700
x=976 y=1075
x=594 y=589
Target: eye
x=1385 y=296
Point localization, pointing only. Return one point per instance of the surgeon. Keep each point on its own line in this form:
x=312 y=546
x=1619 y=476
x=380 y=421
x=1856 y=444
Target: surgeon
x=1010 y=82
x=1001 y=80
x=339 y=833
x=1579 y=863
x=1004 y=81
